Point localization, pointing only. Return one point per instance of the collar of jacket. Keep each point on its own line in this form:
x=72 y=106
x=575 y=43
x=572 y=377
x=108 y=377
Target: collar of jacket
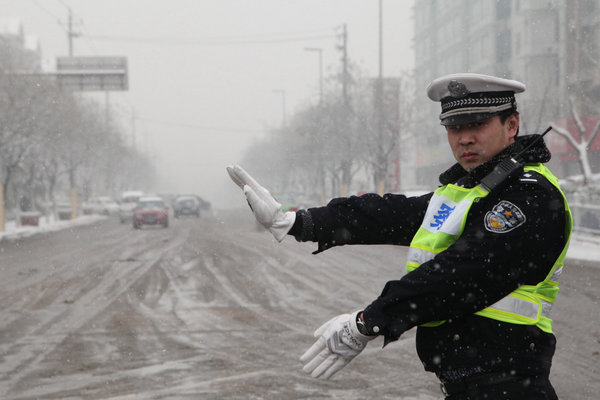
x=538 y=153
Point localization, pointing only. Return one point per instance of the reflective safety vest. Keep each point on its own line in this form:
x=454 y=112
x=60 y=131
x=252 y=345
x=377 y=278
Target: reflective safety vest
x=443 y=224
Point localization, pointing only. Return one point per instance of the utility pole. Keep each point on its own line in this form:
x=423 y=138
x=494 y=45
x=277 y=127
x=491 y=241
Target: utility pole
x=133 y=127
x=107 y=107
x=347 y=163
x=321 y=177
x=2 y=202
x=344 y=48
x=70 y=33
x=380 y=39
x=379 y=168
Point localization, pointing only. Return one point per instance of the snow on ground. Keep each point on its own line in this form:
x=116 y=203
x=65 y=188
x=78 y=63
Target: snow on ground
x=12 y=230
x=583 y=246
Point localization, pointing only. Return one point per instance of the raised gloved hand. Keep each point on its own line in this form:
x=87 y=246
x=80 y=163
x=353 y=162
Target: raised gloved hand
x=338 y=342
x=266 y=209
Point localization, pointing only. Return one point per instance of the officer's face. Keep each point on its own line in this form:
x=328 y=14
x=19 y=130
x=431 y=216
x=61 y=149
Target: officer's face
x=473 y=144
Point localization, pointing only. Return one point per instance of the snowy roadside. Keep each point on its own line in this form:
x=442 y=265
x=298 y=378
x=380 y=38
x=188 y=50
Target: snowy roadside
x=13 y=231
x=584 y=246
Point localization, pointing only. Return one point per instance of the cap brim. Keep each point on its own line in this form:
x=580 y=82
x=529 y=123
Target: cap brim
x=464 y=119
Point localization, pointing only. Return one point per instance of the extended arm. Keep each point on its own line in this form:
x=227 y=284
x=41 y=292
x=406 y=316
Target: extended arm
x=366 y=219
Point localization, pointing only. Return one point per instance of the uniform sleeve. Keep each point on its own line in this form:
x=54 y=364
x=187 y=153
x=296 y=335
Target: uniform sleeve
x=510 y=238
x=366 y=219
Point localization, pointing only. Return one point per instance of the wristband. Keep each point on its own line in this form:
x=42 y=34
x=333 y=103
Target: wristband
x=360 y=325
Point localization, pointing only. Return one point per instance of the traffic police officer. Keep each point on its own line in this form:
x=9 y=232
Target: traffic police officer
x=486 y=252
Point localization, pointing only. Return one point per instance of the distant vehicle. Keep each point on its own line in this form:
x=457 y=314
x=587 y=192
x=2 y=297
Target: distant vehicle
x=127 y=203
x=204 y=205
x=150 y=210
x=104 y=205
x=186 y=205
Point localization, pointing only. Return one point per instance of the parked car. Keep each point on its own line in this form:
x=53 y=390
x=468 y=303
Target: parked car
x=186 y=205
x=127 y=203
x=150 y=210
x=104 y=205
x=64 y=211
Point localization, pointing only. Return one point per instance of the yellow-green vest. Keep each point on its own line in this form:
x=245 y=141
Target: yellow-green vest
x=449 y=207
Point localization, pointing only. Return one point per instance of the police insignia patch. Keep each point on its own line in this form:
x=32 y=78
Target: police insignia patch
x=504 y=217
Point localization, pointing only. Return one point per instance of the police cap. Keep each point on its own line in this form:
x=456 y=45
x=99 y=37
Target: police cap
x=469 y=97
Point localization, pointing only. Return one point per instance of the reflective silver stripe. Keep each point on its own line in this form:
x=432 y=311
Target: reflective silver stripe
x=517 y=306
x=510 y=304
x=525 y=308
x=483 y=189
x=418 y=256
x=546 y=307
x=556 y=274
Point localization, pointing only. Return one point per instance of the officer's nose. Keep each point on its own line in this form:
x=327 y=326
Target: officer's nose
x=465 y=137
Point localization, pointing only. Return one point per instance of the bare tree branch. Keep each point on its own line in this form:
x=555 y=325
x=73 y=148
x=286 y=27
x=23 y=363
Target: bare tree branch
x=564 y=133
x=576 y=118
x=590 y=140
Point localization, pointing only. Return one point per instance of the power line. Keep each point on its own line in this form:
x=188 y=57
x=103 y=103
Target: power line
x=38 y=5
x=210 y=42
x=68 y=30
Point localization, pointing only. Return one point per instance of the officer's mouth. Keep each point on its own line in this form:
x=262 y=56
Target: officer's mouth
x=469 y=156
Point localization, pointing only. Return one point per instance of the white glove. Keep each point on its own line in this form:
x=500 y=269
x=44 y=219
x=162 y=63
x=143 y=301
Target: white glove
x=266 y=209
x=339 y=341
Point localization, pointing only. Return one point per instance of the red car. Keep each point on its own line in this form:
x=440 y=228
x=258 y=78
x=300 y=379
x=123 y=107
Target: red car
x=150 y=211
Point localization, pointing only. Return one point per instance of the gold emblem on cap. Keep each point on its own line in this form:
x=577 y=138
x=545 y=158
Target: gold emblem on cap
x=457 y=89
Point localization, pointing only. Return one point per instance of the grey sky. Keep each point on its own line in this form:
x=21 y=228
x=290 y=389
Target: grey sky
x=204 y=74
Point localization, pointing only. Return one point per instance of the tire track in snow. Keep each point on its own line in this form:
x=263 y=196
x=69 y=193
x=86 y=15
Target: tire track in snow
x=26 y=353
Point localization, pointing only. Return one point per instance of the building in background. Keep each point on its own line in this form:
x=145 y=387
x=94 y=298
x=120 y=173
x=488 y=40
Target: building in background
x=18 y=51
x=551 y=46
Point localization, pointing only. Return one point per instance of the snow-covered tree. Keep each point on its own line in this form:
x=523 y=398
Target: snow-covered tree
x=580 y=141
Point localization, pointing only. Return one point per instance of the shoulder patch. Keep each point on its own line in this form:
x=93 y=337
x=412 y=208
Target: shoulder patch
x=504 y=217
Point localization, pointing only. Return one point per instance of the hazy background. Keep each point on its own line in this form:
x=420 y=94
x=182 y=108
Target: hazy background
x=207 y=77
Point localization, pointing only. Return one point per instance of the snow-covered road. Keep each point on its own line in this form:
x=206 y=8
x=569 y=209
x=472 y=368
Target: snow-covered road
x=215 y=309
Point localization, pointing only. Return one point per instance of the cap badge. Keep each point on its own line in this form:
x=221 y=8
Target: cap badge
x=457 y=89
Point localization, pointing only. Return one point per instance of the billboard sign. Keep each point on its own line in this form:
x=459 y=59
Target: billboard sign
x=92 y=73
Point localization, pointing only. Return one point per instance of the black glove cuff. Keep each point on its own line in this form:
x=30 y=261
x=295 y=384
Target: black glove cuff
x=360 y=324
x=303 y=229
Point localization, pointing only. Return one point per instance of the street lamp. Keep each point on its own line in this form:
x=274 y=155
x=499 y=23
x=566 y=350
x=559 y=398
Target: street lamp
x=282 y=92
x=379 y=102
x=320 y=51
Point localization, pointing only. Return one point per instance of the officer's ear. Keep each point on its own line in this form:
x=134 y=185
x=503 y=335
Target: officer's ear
x=512 y=123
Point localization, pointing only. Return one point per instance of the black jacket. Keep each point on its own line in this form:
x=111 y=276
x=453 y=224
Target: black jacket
x=480 y=268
